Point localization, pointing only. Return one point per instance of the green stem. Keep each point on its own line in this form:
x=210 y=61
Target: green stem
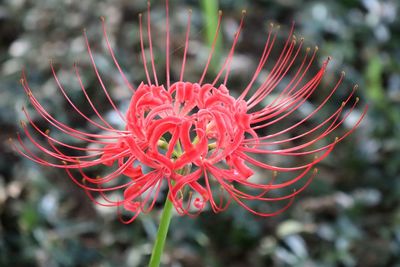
x=165 y=221
x=210 y=11
x=161 y=234
x=210 y=14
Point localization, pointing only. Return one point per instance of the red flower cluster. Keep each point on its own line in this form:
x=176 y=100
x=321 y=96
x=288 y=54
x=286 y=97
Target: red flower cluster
x=195 y=137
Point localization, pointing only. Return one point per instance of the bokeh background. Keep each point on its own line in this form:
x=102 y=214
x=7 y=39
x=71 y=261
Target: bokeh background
x=349 y=216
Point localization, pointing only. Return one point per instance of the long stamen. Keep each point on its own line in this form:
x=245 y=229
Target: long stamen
x=217 y=30
x=228 y=59
x=235 y=41
x=149 y=36
x=78 y=76
x=111 y=51
x=285 y=52
x=186 y=44
x=167 y=45
x=74 y=106
x=100 y=79
x=142 y=50
x=266 y=52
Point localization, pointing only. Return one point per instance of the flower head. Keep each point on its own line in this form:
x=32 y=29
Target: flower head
x=195 y=136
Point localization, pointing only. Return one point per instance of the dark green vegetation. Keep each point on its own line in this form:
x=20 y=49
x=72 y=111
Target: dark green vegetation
x=349 y=216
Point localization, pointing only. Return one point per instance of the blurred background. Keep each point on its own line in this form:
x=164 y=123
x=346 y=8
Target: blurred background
x=349 y=216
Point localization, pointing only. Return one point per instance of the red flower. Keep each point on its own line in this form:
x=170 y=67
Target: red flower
x=201 y=128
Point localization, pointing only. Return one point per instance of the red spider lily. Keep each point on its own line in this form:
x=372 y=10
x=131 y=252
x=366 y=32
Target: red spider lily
x=198 y=127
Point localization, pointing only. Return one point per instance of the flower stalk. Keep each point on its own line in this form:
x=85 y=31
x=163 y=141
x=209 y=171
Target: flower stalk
x=162 y=232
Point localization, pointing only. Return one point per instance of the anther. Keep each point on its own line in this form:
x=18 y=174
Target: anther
x=102 y=18
x=47 y=132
